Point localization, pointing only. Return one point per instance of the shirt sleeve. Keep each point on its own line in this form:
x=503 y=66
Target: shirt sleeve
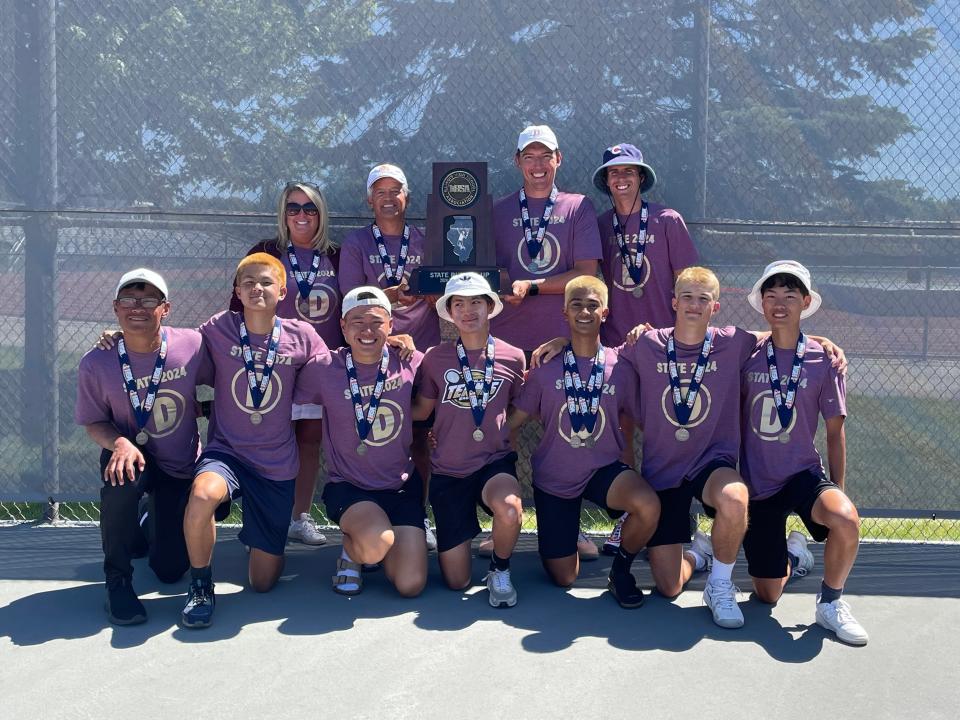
x=680 y=247
x=833 y=394
x=586 y=237
x=91 y=404
x=426 y=381
x=530 y=396
x=519 y=366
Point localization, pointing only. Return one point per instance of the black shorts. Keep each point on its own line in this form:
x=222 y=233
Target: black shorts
x=455 y=499
x=674 y=525
x=267 y=504
x=558 y=519
x=403 y=506
x=765 y=543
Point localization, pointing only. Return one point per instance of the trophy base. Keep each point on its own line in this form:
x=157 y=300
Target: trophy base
x=433 y=280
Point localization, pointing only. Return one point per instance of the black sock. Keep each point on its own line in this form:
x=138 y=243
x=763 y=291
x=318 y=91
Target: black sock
x=794 y=562
x=622 y=562
x=201 y=573
x=829 y=594
x=499 y=563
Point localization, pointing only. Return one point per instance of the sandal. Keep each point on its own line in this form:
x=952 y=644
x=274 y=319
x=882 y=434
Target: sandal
x=347 y=580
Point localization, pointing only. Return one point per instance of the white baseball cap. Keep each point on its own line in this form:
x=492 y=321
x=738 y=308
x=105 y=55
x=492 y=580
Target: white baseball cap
x=365 y=295
x=143 y=275
x=785 y=267
x=468 y=284
x=537 y=134
x=386 y=170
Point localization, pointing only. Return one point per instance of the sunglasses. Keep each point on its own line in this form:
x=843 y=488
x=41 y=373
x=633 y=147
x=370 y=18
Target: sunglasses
x=293 y=209
x=147 y=303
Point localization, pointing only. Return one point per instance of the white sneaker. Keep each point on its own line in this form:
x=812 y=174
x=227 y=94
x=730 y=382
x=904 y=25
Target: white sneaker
x=502 y=592
x=797 y=545
x=837 y=618
x=305 y=530
x=721 y=597
x=430 y=537
x=703 y=546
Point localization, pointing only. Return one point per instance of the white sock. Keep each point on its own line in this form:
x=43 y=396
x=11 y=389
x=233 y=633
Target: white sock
x=343 y=554
x=721 y=571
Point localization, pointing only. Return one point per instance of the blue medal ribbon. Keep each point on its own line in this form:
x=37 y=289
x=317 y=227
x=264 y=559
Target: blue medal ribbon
x=783 y=404
x=258 y=386
x=478 y=398
x=141 y=410
x=392 y=276
x=304 y=282
x=633 y=262
x=683 y=406
x=535 y=245
x=583 y=403
x=365 y=420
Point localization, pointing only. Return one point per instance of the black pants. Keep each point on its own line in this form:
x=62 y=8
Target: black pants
x=162 y=534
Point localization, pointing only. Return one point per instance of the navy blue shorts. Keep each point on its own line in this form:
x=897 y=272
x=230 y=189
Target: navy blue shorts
x=674 y=525
x=765 y=543
x=267 y=504
x=402 y=507
x=558 y=519
x=455 y=499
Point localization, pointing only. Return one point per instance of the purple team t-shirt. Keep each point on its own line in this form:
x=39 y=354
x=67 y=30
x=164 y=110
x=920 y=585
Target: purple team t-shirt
x=668 y=250
x=269 y=447
x=714 y=424
x=387 y=464
x=766 y=463
x=458 y=454
x=559 y=468
x=172 y=427
x=571 y=236
x=360 y=264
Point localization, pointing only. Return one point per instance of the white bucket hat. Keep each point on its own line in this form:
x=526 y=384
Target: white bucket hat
x=786 y=267
x=372 y=296
x=468 y=284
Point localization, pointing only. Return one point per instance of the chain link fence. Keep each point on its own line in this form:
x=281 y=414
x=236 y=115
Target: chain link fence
x=126 y=137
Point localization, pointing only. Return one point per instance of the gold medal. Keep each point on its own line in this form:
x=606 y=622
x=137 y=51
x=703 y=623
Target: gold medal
x=478 y=435
x=682 y=434
x=591 y=441
x=142 y=437
x=574 y=441
x=583 y=433
x=784 y=438
x=638 y=292
x=256 y=417
x=361 y=449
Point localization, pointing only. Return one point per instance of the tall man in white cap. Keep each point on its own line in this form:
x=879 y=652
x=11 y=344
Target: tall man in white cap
x=471 y=385
x=787 y=384
x=138 y=403
x=544 y=239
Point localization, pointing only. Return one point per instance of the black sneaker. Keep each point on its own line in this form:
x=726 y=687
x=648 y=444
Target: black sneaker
x=122 y=604
x=198 y=612
x=624 y=589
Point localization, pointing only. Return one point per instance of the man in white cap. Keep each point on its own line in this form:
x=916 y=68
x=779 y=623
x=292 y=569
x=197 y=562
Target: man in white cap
x=137 y=402
x=471 y=384
x=544 y=238
x=787 y=384
x=373 y=490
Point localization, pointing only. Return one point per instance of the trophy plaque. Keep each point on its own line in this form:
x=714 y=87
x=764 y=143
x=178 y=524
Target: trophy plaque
x=459 y=229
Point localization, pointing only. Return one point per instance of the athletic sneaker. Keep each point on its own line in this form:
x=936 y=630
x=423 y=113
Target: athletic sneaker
x=586 y=548
x=122 y=604
x=198 y=612
x=430 y=537
x=623 y=587
x=612 y=543
x=502 y=592
x=837 y=618
x=305 y=530
x=721 y=597
x=703 y=546
x=797 y=545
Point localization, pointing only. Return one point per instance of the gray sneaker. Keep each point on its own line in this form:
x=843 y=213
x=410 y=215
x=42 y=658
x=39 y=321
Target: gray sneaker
x=502 y=592
x=721 y=597
x=837 y=618
x=305 y=530
x=797 y=545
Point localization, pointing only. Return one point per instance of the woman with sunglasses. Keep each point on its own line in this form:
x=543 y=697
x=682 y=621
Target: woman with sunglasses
x=311 y=260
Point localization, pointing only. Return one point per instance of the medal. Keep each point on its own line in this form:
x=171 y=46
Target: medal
x=479 y=397
x=304 y=282
x=591 y=441
x=583 y=403
x=141 y=411
x=258 y=386
x=535 y=245
x=633 y=262
x=365 y=420
x=392 y=276
x=683 y=406
x=784 y=438
x=785 y=404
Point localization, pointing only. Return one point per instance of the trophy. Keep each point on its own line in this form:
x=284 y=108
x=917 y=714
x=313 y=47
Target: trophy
x=459 y=229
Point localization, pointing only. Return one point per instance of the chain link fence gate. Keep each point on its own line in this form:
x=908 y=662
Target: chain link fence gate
x=126 y=137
